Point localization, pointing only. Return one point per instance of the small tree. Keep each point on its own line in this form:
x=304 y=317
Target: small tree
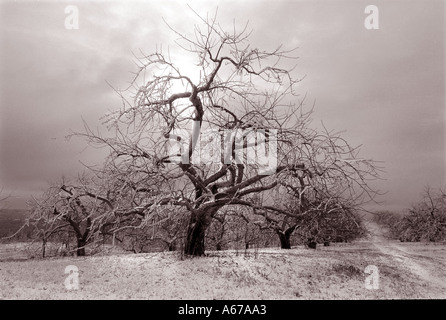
x=235 y=227
x=332 y=224
x=426 y=220
x=70 y=209
x=320 y=198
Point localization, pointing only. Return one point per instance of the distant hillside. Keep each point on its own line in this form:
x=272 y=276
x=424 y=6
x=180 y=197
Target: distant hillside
x=11 y=220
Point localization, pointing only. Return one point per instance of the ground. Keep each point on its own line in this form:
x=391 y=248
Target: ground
x=405 y=271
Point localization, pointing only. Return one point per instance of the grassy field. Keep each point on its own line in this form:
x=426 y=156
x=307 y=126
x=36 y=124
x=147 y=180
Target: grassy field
x=406 y=271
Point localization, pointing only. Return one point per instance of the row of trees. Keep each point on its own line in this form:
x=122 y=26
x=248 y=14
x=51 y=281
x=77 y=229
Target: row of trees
x=425 y=221
x=228 y=144
x=73 y=215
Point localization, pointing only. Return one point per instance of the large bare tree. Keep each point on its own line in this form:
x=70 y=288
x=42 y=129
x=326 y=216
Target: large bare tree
x=230 y=127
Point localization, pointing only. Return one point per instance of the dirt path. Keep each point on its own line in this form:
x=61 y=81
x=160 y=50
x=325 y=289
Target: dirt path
x=428 y=266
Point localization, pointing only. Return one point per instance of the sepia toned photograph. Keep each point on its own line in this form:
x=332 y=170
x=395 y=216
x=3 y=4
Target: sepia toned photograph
x=236 y=151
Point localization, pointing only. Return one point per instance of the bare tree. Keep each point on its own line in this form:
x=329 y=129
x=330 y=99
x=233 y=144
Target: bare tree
x=425 y=221
x=208 y=141
x=71 y=209
x=317 y=214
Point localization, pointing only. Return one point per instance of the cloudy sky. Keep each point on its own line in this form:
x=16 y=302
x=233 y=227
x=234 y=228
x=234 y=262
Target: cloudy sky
x=385 y=87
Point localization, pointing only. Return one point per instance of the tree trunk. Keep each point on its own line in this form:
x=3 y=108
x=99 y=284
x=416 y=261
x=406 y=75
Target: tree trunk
x=195 y=235
x=285 y=237
x=311 y=243
x=43 y=248
x=285 y=242
x=80 y=248
x=196 y=230
x=172 y=245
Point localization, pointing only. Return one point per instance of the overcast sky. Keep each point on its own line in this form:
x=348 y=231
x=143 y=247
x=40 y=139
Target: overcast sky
x=385 y=87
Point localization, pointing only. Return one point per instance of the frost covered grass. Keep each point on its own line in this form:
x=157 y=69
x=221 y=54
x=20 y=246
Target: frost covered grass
x=335 y=272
